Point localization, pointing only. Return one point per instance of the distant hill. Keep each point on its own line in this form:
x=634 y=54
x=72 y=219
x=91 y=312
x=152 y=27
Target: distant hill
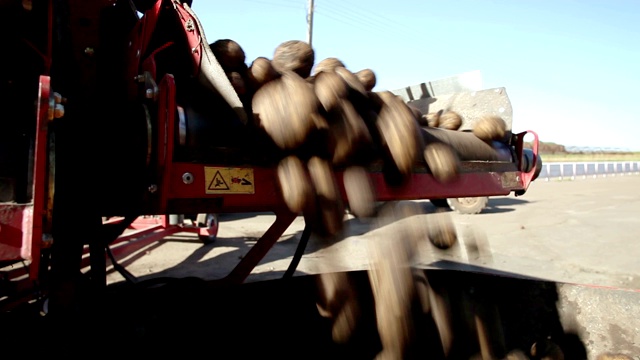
x=553 y=148
x=548 y=148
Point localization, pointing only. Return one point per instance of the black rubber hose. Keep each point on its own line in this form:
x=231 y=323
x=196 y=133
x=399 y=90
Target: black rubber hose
x=129 y=277
x=302 y=245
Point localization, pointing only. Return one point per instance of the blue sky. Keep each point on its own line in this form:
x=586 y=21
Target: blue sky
x=571 y=68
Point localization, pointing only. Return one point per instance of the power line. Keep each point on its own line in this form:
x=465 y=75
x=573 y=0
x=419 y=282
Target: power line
x=345 y=19
x=370 y=15
x=346 y=14
x=342 y=20
x=287 y=4
x=349 y=17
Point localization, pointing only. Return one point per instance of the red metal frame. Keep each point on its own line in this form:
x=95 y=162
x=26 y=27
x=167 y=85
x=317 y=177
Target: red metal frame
x=267 y=198
x=22 y=226
x=167 y=109
x=180 y=196
x=528 y=177
x=144 y=231
x=16 y=226
x=40 y=173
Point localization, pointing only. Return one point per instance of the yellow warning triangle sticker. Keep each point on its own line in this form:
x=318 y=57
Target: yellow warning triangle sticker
x=218 y=183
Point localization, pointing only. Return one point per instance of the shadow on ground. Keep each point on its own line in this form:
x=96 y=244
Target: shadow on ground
x=279 y=319
x=504 y=204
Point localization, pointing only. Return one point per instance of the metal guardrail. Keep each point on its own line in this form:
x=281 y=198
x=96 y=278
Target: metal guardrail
x=583 y=170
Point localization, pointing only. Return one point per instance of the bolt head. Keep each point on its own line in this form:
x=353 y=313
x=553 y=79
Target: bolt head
x=187 y=178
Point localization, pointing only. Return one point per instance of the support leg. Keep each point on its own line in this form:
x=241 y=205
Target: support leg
x=240 y=273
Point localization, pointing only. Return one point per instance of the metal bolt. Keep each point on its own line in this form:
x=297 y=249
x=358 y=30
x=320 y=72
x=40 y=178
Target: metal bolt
x=153 y=188
x=187 y=178
x=149 y=93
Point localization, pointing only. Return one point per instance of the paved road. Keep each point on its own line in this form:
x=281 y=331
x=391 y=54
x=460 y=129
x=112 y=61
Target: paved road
x=582 y=231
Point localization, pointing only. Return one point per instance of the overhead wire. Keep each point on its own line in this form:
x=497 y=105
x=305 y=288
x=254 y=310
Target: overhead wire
x=283 y=3
x=361 y=24
x=365 y=13
x=356 y=18
x=345 y=14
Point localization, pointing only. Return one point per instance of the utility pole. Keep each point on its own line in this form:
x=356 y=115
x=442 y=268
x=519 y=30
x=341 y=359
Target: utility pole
x=310 y=23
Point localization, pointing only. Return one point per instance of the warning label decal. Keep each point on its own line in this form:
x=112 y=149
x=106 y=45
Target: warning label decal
x=220 y=180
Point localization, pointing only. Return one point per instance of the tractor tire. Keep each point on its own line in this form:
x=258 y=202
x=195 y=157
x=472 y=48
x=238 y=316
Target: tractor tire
x=440 y=203
x=468 y=205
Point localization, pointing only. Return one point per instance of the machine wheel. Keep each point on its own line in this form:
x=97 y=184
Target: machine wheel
x=468 y=205
x=210 y=222
x=440 y=203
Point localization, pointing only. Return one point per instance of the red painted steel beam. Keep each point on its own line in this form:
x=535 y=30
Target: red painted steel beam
x=243 y=269
x=267 y=197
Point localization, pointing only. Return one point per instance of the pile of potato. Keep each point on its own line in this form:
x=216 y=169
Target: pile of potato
x=324 y=116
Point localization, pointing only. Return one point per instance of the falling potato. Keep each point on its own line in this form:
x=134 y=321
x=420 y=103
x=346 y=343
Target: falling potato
x=229 y=54
x=385 y=96
x=442 y=161
x=399 y=131
x=283 y=108
x=490 y=128
x=394 y=294
x=294 y=184
x=431 y=119
x=349 y=133
x=368 y=78
x=330 y=215
x=351 y=79
x=294 y=55
x=338 y=302
x=237 y=81
x=442 y=231
x=450 y=120
x=261 y=72
x=330 y=88
x=360 y=192
x=328 y=64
